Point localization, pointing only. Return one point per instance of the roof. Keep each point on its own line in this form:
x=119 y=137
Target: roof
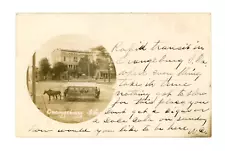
x=70 y=50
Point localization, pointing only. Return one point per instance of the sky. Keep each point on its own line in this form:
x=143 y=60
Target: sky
x=73 y=42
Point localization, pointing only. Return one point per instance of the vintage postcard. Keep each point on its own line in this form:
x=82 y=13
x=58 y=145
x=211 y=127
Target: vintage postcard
x=113 y=75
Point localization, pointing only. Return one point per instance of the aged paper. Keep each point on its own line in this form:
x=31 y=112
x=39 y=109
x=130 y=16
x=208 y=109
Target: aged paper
x=113 y=75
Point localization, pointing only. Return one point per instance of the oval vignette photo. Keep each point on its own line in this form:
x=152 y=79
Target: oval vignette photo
x=71 y=78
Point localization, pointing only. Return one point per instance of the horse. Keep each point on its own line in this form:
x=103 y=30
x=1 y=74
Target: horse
x=53 y=94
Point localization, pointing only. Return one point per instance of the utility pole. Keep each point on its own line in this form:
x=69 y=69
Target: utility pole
x=28 y=79
x=109 y=69
x=34 y=78
x=109 y=74
x=88 y=68
x=68 y=75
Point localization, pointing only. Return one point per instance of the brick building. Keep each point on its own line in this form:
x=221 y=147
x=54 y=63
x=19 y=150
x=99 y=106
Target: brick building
x=71 y=58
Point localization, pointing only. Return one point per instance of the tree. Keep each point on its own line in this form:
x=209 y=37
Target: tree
x=84 y=64
x=102 y=63
x=44 y=66
x=103 y=51
x=59 y=68
x=103 y=59
x=93 y=68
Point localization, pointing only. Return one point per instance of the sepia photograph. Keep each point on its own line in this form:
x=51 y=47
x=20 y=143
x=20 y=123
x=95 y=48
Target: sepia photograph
x=96 y=72
x=71 y=79
x=82 y=75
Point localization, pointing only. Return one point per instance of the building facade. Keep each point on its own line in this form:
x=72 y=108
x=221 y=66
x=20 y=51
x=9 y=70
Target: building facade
x=71 y=59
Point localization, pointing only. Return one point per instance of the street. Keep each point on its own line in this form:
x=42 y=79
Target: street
x=71 y=111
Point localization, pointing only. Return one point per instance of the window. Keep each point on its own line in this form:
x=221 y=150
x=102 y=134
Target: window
x=75 y=59
x=64 y=58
